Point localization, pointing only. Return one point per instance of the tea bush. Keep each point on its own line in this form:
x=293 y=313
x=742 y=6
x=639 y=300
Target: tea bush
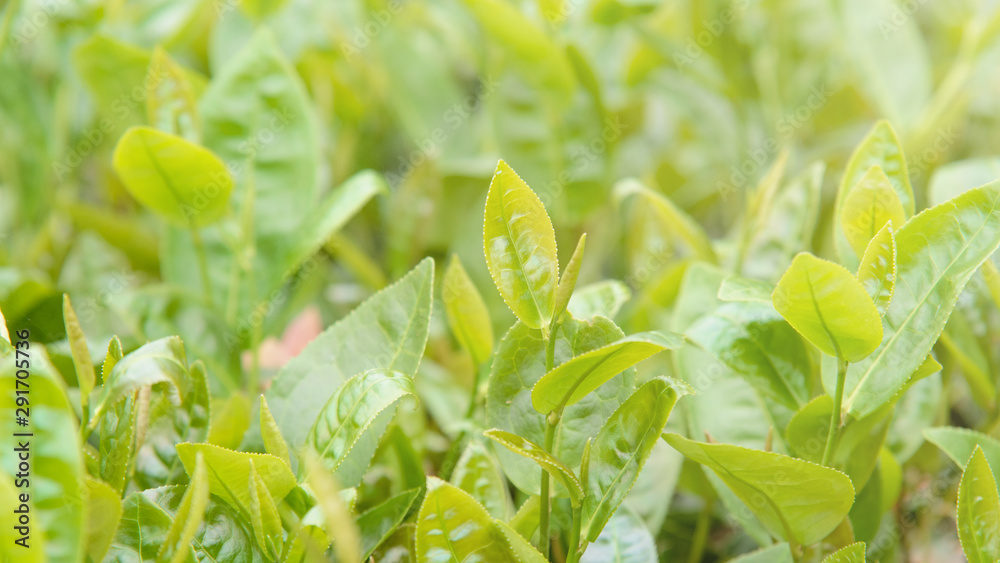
x=601 y=280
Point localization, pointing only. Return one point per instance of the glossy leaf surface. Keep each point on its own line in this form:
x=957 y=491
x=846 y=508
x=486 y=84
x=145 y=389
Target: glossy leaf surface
x=960 y=443
x=546 y=461
x=877 y=272
x=868 y=207
x=229 y=472
x=479 y=474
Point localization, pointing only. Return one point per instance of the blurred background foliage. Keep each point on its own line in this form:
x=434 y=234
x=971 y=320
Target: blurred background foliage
x=701 y=101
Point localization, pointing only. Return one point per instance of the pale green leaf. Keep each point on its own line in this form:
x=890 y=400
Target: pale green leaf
x=478 y=473
x=546 y=461
x=379 y=522
x=678 y=223
x=829 y=307
x=960 y=443
x=567 y=283
x=171 y=97
x=82 y=363
x=467 y=313
x=736 y=288
x=625 y=539
x=937 y=252
x=116 y=444
x=104 y=510
x=854 y=553
x=520 y=247
x=779 y=553
x=877 y=272
x=773 y=486
x=868 y=206
x=604 y=298
x=356 y=414
x=979 y=511
x=229 y=472
x=621 y=448
x=230 y=421
x=158 y=362
x=183 y=182
x=9 y=534
x=573 y=380
x=274 y=443
x=264 y=516
x=189 y=516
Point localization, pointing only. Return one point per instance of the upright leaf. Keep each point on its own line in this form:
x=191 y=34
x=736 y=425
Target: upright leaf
x=621 y=448
x=567 y=283
x=829 y=307
x=478 y=474
x=230 y=420
x=339 y=523
x=274 y=443
x=117 y=442
x=937 y=252
x=854 y=553
x=348 y=429
x=388 y=331
x=467 y=313
x=571 y=381
x=104 y=510
x=877 y=272
x=868 y=207
x=773 y=486
x=979 y=511
x=379 y=522
x=546 y=461
x=520 y=247
x=264 y=516
x=184 y=183
x=189 y=516
x=84 y=366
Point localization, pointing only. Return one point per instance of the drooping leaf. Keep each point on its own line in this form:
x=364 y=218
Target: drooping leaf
x=625 y=539
x=452 y=526
x=189 y=516
x=349 y=427
x=388 y=331
x=229 y=472
x=478 y=473
x=755 y=342
x=104 y=510
x=879 y=148
x=773 y=486
x=621 y=448
x=979 y=511
x=936 y=253
x=573 y=380
x=854 y=553
x=604 y=298
x=868 y=207
x=184 y=183
x=518 y=364
x=877 y=272
x=520 y=247
x=57 y=468
x=829 y=307
x=960 y=443
x=84 y=366
x=567 y=283
x=467 y=313
x=274 y=443
x=380 y=521
x=546 y=461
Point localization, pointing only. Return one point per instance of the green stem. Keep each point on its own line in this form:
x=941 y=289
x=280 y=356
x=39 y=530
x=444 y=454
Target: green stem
x=838 y=402
x=574 y=536
x=543 y=506
x=701 y=531
x=199 y=249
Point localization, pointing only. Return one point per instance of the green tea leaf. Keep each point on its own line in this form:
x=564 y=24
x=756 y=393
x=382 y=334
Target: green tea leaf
x=877 y=272
x=671 y=218
x=879 y=148
x=567 y=283
x=112 y=357
x=937 y=252
x=229 y=473
x=160 y=361
x=274 y=443
x=573 y=380
x=114 y=73
x=829 y=307
x=625 y=539
x=380 y=521
x=604 y=298
x=869 y=205
x=755 y=342
x=979 y=511
x=339 y=522
x=57 y=468
x=189 y=516
x=960 y=443
x=84 y=366
x=520 y=248
x=388 y=331
x=854 y=553
x=349 y=427
x=546 y=461
x=104 y=510
x=779 y=553
x=230 y=421
x=478 y=474
x=184 y=183
x=736 y=288
x=117 y=442
x=621 y=448
x=774 y=487
x=264 y=516
x=172 y=98
x=467 y=313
